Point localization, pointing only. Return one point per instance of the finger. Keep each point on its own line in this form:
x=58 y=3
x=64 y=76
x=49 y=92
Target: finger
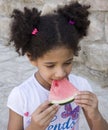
x=93 y=95
x=40 y=116
x=49 y=114
x=86 y=95
x=86 y=99
x=84 y=102
x=45 y=117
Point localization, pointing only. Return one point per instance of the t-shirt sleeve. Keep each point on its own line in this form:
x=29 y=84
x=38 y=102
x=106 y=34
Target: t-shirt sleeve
x=80 y=83
x=15 y=101
x=85 y=85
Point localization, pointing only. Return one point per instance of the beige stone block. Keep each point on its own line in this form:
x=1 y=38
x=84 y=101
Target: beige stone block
x=48 y=8
x=5 y=8
x=95 y=56
x=96 y=4
x=34 y=2
x=26 y=1
x=96 y=28
x=56 y=2
x=4 y=27
x=106 y=26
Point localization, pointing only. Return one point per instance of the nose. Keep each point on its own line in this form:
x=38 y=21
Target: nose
x=60 y=73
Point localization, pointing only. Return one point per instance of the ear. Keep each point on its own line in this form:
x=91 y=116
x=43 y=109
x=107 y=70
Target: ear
x=33 y=62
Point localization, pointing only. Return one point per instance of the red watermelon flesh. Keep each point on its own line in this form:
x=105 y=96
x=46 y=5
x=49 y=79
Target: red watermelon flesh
x=62 y=92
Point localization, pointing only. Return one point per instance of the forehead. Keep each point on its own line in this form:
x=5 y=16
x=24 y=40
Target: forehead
x=59 y=53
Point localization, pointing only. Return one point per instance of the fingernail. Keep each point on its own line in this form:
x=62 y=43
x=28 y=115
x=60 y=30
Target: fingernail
x=57 y=105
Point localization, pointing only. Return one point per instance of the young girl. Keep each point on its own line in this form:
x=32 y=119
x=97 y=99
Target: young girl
x=50 y=42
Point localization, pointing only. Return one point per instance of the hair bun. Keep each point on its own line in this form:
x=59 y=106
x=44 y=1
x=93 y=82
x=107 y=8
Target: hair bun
x=77 y=13
x=22 y=26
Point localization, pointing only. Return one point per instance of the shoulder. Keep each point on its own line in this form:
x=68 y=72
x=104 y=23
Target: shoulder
x=80 y=82
x=24 y=88
x=23 y=94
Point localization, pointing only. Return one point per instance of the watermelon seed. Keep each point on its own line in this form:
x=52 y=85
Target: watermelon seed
x=56 y=84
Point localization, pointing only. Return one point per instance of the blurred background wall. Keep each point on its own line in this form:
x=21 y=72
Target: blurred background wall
x=92 y=62
x=94 y=53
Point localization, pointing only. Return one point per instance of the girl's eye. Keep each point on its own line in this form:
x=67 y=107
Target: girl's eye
x=68 y=63
x=50 y=66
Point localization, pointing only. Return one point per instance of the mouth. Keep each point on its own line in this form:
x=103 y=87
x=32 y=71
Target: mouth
x=60 y=78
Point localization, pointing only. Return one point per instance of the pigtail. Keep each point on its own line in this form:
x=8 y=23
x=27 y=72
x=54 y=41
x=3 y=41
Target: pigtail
x=76 y=14
x=22 y=26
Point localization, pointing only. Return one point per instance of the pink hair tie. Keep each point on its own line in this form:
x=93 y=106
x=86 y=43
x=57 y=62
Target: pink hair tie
x=35 y=31
x=71 y=22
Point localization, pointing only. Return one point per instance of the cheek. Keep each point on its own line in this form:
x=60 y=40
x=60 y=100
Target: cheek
x=46 y=73
x=69 y=68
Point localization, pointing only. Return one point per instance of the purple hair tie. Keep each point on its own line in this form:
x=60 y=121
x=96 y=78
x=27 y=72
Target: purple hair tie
x=35 y=31
x=71 y=22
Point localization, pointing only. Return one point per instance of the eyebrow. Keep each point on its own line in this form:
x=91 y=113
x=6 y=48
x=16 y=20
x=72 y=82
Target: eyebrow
x=49 y=63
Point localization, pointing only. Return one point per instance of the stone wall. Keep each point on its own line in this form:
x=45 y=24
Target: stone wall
x=93 y=59
x=92 y=62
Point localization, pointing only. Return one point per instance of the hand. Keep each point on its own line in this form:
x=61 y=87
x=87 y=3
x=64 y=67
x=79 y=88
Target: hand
x=89 y=102
x=43 y=115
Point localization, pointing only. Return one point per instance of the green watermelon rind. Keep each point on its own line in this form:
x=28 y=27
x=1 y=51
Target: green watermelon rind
x=63 y=102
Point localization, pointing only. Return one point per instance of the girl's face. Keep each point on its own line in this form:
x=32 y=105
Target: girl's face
x=54 y=65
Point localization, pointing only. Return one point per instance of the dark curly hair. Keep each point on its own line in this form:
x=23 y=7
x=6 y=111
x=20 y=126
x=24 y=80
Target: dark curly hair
x=54 y=29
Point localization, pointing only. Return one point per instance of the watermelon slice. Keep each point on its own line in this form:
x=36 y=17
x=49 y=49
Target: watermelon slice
x=62 y=92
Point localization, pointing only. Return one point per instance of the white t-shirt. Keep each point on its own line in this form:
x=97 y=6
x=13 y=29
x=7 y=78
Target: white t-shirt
x=25 y=98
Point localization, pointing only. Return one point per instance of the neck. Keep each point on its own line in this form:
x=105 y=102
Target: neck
x=43 y=82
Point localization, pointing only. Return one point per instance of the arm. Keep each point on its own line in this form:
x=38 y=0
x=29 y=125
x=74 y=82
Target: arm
x=97 y=123
x=40 y=118
x=88 y=101
x=15 y=121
